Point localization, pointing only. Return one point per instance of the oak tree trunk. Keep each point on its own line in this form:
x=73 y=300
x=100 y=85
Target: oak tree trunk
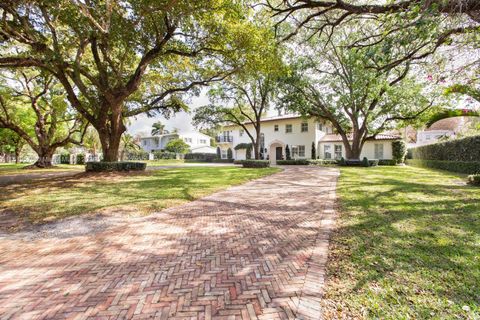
x=45 y=156
x=110 y=132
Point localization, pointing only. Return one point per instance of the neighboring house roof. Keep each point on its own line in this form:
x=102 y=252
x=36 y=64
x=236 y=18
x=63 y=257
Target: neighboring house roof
x=338 y=138
x=177 y=134
x=449 y=124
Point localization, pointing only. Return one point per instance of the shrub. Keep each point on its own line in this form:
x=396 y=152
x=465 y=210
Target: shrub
x=342 y=162
x=137 y=155
x=114 y=166
x=219 y=153
x=303 y=162
x=200 y=157
x=323 y=162
x=387 y=162
x=177 y=146
x=466 y=149
x=238 y=161
x=373 y=163
x=157 y=155
x=365 y=162
x=248 y=153
x=314 y=151
x=229 y=154
x=474 y=179
x=469 y=167
x=65 y=158
x=287 y=153
x=399 y=151
x=255 y=163
x=80 y=158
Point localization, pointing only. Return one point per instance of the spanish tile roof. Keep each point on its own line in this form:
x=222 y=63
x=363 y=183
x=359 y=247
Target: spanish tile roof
x=337 y=137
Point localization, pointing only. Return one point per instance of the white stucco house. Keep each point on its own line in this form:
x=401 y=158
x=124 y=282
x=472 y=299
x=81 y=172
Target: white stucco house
x=299 y=133
x=197 y=141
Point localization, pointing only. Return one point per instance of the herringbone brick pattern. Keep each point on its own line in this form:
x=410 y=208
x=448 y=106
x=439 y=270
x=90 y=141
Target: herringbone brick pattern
x=255 y=251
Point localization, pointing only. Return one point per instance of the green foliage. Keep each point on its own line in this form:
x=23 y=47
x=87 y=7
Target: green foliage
x=255 y=163
x=65 y=158
x=365 y=162
x=342 y=162
x=302 y=162
x=466 y=149
x=159 y=155
x=314 y=151
x=136 y=155
x=474 y=179
x=158 y=128
x=243 y=146
x=387 y=162
x=219 y=153
x=229 y=154
x=287 y=153
x=469 y=167
x=451 y=113
x=177 y=146
x=323 y=162
x=80 y=158
x=399 y=150
x=203 y=157
x=114 y=166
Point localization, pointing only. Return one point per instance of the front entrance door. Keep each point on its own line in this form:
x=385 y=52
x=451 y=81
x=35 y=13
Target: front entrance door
x=278 y=153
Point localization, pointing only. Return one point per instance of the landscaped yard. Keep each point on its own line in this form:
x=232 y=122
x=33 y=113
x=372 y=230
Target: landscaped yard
x=126 y=193
x=12 y=168
x=407 y=246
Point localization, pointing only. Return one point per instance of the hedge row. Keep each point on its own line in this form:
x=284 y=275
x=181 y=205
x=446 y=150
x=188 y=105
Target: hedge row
x=301 y=162
x=470 y=167
x=199 y=156
x=474 y=179
x=255 y=163
x=466 y=149
x=114 y=166
x=158 y=155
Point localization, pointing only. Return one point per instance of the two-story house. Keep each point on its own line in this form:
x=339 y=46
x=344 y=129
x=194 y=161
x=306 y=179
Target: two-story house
x=299 y=134
x=197 y=141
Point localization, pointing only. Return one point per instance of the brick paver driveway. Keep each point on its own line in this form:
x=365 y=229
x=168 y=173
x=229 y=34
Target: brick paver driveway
x=255 y=251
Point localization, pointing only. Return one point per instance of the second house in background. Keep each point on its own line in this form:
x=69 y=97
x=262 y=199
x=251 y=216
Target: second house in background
x=197 y=141
x=299 y=134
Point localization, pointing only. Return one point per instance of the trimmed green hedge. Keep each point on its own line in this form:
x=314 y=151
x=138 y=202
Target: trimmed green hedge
x=255 y=163
x=200 y=157
x=323 y=162
x=159 y=155
x=80 y=158
x=474 y=179
x=466 y=149
x=301 y=162
x=136 y=155
x=387 y=162
x=114 y=166
x=470 y=167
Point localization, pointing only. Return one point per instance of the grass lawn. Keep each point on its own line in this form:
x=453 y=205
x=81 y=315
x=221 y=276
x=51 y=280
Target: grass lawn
x=407 y=246
x=12 y=168
x=137 y=193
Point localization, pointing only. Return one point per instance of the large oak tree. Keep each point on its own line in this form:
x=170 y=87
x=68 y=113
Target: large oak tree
x=117 y=59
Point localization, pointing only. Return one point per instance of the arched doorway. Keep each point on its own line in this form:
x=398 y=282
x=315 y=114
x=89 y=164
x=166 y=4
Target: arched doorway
x=276 y=151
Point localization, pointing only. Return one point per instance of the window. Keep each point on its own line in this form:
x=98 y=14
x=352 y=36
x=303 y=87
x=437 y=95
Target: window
x=338 y=151
x=320 y=126
x=224 y=154
x=275 y=128
x=294 y=152
x=203 y=141
x=327 y=152
x=427 y=137
x=188 y=140
x=157 y=142
x=301 y=151
x=144 y=142
x=288 y=128
x=378 y=150
x=241 y=132
x=304 y=127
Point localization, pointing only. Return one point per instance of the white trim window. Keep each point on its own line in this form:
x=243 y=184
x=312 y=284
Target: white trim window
x=294 y=152
x=327 y=151
x=378 y=150
x=301 y=151
x=275 y=128
x=320 y=126
x=241 y=132
x=288 y=128
x=203 y=141
x=338 y=151
x=224 y=154
x=304 y=127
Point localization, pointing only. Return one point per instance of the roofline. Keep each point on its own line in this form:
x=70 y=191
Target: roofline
x=269 y=120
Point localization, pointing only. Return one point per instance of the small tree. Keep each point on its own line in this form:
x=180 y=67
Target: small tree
x=287 y=153
x=158 y=128
x=399 y=151
x=229 y=154
x=219 y=153
x=314 y=151
x=177 y=146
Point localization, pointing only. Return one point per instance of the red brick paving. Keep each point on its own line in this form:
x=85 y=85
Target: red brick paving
x=255 y=251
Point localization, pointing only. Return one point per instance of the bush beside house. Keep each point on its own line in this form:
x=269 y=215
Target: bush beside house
x=102 y=166
x=256 y=163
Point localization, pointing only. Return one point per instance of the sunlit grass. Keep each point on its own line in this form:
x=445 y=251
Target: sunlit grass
x=18 y=169
x=407 y=247
x=124 y=193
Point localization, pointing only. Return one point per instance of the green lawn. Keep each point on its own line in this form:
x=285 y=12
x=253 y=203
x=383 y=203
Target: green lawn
x=133 y=193
x=13 y=169
x=407 y=246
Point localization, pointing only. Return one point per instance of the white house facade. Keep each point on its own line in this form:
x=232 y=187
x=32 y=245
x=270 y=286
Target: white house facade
x=197 y=141
x=299 y=134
